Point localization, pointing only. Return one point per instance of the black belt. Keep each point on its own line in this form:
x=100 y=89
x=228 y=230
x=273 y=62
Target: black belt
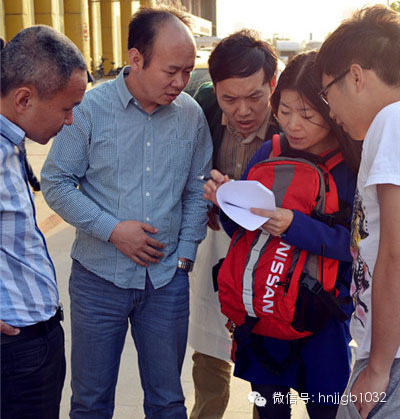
x=36 y=330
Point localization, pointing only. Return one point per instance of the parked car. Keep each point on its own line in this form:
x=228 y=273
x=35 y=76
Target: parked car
x=200 y=72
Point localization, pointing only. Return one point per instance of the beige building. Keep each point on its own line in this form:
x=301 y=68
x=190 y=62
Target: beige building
x=98 y=27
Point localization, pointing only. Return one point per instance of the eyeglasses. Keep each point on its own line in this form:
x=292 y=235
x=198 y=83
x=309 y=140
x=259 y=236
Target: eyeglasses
x=322 y=93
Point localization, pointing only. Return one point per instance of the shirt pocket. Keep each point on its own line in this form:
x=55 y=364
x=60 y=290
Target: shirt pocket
x=179 y=159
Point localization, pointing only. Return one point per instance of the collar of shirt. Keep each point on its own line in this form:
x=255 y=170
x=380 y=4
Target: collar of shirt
x=11 y=131
x=260 y=133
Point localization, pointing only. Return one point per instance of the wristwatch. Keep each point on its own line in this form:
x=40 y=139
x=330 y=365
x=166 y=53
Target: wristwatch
x=186 y=265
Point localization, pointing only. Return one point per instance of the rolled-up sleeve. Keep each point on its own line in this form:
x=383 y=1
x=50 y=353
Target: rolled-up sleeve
x=65 y=166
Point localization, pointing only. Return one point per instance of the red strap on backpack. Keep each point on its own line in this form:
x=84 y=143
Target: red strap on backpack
x=276 y=146
x=334 y=160
x=333 y=156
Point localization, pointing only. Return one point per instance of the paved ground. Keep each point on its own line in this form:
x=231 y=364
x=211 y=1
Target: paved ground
x=129 y=397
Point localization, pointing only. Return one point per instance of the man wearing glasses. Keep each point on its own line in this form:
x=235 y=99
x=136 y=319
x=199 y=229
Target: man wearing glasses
x=360 y=68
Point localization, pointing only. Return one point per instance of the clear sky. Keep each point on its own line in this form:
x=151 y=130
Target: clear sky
x=294 y=19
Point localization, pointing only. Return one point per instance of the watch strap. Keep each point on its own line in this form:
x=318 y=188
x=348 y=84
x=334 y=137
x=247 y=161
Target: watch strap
x=186 y=265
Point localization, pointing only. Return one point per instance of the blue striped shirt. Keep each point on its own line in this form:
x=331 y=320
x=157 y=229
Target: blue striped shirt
x=28 y=289
x=130 y=165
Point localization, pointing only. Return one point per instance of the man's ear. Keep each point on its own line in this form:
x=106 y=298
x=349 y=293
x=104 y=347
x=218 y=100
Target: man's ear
x=357 y=76
x=23 y=98
x=136 y=59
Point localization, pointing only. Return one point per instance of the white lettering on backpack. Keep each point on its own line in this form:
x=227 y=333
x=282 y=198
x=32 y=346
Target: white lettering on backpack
x=274 y=277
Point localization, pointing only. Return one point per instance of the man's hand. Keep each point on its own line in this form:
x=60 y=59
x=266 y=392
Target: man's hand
x=210 y=188
x=213 y=218
x=131 y=238
x=7 y=329
x=279 y=220
x=368 y=383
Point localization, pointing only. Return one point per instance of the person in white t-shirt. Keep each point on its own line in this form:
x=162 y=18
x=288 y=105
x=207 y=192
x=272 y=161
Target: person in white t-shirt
x=359 y=64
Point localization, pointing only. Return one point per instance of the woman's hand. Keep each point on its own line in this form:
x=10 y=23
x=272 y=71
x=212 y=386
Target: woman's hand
x=210 y=188
x=279 y=220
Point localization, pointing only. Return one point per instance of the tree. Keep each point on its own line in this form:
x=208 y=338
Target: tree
x=395 y=6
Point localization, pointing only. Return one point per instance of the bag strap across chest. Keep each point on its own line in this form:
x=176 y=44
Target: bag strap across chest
x=327 y=160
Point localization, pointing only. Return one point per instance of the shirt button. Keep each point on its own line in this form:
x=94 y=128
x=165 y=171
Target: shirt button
x=147 y=218
x=149 y=118
x=147 y=193
x=239 y=165
x=148 y=143
x=147 y=169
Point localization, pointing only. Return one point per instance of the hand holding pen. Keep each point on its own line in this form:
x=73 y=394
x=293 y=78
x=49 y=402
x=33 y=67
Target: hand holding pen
x=212 y=184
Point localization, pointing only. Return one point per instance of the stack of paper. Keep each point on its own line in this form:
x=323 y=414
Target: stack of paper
x=236 y=198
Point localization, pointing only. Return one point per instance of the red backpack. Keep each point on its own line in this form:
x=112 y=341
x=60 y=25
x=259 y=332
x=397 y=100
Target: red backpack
x=268 y=285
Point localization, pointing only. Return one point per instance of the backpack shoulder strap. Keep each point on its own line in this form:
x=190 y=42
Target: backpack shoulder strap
x=276 y=145
x=331 y=158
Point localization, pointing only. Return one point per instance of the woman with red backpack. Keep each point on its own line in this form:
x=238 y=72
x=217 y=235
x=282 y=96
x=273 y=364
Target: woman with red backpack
x=275 y=358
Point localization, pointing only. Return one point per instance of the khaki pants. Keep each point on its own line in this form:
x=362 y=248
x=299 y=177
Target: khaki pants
x=211 y=378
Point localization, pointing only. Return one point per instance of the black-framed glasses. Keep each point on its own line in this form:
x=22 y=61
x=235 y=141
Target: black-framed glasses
x=322 y=93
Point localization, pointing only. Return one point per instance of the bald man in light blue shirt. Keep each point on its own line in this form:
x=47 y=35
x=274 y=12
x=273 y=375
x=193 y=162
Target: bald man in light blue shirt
x=125 y=175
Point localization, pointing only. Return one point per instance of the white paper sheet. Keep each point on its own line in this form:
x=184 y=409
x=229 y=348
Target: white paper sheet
x=236 y=198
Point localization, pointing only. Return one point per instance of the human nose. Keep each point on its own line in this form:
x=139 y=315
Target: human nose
x=243 y=108
x=179 y=81
x=293 y=122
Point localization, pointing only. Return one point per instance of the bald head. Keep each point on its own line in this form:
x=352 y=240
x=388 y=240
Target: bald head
x=173 y=37
x=148 y=23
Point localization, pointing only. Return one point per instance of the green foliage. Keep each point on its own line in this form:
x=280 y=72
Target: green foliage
x=395 y=6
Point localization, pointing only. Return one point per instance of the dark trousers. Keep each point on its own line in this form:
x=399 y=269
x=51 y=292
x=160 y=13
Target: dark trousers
x=277 y=410
x=32 y=376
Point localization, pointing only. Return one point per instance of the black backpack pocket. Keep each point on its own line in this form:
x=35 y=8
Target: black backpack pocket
x=314 y=306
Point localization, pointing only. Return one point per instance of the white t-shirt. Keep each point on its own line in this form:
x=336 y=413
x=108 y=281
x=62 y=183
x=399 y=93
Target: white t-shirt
x=380 y=164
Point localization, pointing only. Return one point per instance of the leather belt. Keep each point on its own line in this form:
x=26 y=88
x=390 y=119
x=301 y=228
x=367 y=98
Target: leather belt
x=35 y=330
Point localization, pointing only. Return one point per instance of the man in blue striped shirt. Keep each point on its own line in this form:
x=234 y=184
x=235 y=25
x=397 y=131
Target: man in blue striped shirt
x=43 y=76
x=135 y=150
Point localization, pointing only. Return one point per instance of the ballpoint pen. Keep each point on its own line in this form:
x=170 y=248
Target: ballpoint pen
x=205 y=178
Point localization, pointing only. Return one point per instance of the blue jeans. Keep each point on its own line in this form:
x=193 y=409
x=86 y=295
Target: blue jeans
x=32 y=376
x=99 y=322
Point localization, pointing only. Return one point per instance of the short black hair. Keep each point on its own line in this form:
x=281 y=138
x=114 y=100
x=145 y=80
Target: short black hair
x=241 y=55
x=42 y=57
x=145 y=25
x=371 y=38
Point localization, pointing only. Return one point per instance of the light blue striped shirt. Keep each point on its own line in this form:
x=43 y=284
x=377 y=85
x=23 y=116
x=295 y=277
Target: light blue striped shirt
x=28 y=289
x=130 y=165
